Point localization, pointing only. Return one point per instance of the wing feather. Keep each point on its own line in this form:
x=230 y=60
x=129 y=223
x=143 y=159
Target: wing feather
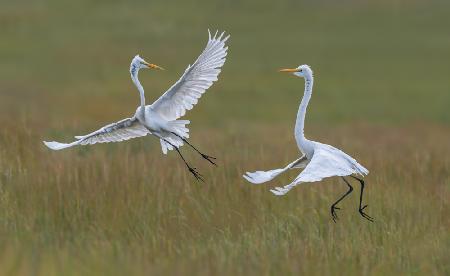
x=327 y=161
x=120 y=131
x=196 y=79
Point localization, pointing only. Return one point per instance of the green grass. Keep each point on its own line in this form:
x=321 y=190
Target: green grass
x=381 y=94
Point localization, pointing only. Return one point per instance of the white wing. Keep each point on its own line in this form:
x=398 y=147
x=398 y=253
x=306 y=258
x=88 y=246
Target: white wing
x=115 y=132
x=327 y=161
x=260 y=177
x=184 y=94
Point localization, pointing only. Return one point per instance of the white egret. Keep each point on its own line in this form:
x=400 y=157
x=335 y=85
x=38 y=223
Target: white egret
x=319 y=160
x=161 y=118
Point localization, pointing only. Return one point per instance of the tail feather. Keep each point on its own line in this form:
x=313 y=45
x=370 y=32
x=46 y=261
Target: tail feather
x=178 y=127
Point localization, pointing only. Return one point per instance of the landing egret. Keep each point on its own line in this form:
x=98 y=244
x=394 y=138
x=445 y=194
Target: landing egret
x=319 y=160
x=161 y=118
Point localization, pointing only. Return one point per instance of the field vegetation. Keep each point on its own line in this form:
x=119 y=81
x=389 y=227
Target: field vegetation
x=381 y=95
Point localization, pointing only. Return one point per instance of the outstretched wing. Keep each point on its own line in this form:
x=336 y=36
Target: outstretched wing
x=198 y=77
x=115 y=132
x=260 y=177
x=327 y=161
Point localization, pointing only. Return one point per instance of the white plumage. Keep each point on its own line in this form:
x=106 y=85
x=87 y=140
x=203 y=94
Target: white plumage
x=198 y=77
x=327 y=161
x=115 y=132
x=161 y=118
x=319 y=160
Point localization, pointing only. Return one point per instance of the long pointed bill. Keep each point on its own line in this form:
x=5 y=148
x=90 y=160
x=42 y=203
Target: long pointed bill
x=289 y=70
x=154 y=66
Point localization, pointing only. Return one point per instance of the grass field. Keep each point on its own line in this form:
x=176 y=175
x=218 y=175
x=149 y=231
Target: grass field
x=381 y=95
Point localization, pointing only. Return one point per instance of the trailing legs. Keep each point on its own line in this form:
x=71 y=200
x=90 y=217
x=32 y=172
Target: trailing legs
x=194 y=171
x=207 y=157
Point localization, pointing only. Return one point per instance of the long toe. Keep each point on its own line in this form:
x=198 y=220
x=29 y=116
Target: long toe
x=366 y=216
x=369 y=217
x=210 y=159
x=334 y=218
x=333 y=213
x=200 y=178
x=196 y=174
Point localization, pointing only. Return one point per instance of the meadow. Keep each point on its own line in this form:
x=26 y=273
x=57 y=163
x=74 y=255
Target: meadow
x=381 y=94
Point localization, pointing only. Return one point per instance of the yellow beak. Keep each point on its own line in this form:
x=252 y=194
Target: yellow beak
x=289 y=70
x=154 y=66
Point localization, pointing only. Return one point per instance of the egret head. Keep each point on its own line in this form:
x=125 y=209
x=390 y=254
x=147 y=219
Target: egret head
x=303 y=71
x=138 y=63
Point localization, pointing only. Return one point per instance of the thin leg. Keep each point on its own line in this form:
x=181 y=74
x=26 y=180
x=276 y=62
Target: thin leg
x=196 y=174
x=333 y=207
x=207 y=157
x=361 y=208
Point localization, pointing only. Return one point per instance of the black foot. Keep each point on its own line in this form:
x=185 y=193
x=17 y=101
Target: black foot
x=364 y=215
x=333 y=213
x=209 y=158
x=196 y=174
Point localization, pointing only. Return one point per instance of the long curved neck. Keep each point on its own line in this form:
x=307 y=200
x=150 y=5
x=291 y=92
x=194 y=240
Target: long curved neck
x=134 y=77
x=300 y=123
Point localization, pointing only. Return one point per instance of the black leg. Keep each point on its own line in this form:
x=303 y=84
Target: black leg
x=361 y=208
x=207 y=157
x=333 y=207
x=196 y=174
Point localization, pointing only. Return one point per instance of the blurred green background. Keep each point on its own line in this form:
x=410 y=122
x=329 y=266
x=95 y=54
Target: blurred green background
x=381 y=94
x=374 y=61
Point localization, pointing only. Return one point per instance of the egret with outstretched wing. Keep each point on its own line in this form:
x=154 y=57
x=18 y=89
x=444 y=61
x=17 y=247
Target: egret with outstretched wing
x=161 y=118
x=319 y=160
